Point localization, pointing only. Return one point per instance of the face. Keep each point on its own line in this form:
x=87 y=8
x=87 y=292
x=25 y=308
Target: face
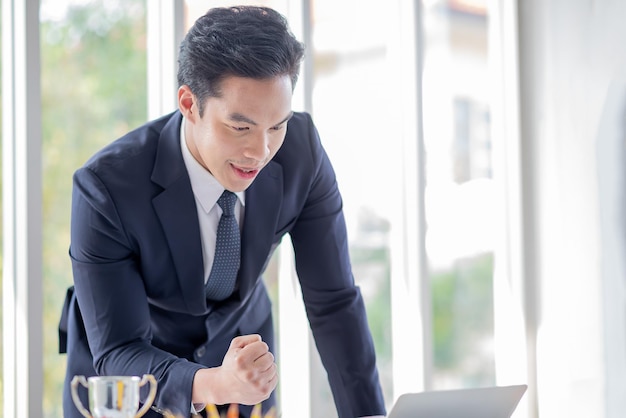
x=240 y=131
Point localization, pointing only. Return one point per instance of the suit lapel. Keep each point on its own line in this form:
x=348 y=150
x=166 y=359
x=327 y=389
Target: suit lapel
x=263 y=202
x=176 y=210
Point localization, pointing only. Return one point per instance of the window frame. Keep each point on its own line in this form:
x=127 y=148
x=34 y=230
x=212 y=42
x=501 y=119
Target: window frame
x=22 y=219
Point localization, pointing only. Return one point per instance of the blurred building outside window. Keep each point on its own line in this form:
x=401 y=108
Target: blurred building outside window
x=460 y=192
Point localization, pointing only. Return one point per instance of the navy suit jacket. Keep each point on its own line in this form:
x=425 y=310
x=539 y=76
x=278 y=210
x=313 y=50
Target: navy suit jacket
x=138 y=268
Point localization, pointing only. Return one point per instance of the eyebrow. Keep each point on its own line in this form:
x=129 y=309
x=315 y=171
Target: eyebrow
x=238 y=117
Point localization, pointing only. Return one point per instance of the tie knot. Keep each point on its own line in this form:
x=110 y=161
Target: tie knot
x=227 y=202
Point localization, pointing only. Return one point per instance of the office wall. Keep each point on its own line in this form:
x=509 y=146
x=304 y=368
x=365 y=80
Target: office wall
x=573 y=133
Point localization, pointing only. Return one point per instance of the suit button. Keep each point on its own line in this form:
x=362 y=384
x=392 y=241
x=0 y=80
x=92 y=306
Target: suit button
x=200 y=352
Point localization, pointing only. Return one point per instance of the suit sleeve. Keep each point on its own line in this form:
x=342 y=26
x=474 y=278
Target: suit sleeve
x=333 y=302
x=112 y=298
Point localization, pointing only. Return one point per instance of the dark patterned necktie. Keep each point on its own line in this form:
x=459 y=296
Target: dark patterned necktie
x=227 y=251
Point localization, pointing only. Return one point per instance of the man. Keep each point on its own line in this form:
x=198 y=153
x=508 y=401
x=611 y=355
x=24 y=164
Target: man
x=162 y=287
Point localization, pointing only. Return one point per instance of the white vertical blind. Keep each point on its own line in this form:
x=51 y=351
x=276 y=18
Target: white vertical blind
x=410 y=307
x=165 y=32
x=22 y=254
x=295 y=396
x=293 y=328
x=509 y=322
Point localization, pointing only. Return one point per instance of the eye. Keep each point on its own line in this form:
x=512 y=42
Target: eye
x=278 y=127
x=239 y=128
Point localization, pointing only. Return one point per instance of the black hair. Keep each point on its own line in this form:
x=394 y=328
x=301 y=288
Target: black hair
x=242 y=41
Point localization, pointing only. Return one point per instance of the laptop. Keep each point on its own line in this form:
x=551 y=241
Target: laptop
x=489 y=402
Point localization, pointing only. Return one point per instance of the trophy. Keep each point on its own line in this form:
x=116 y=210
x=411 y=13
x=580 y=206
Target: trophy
x=113 y=396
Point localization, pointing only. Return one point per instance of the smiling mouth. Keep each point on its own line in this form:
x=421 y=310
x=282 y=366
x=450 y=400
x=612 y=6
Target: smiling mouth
x=246 y=172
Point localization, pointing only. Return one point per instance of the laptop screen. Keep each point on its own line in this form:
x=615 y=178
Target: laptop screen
x=489 y=402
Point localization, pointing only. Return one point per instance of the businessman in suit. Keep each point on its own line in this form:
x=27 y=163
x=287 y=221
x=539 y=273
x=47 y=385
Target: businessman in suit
x=145 y=228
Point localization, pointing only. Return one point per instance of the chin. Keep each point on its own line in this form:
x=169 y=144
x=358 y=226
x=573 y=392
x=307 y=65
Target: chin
x=238 y=186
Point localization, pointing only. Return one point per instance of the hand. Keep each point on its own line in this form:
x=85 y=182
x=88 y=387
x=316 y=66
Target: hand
x=250 y=369
x=248 y=375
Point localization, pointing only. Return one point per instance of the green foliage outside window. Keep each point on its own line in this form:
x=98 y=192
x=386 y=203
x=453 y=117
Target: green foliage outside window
x=462 y=309
x=94 y=89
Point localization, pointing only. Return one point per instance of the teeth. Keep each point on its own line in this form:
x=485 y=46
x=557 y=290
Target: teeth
x=245 y=170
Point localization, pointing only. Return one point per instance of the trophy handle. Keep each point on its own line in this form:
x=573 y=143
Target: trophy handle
x=153 y=387
x=74 y=386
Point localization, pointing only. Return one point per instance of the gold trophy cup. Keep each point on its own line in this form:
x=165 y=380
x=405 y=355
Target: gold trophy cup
x=113 y=396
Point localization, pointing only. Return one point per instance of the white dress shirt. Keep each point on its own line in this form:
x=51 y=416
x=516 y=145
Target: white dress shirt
x=206 y=190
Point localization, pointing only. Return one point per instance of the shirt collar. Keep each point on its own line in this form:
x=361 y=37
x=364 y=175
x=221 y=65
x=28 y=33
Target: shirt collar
x=205 y=187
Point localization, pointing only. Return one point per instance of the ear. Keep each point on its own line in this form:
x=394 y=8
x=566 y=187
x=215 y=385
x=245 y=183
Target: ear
x=187 y=103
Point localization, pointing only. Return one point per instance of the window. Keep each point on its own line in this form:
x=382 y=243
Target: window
x=460 y=191
x=353 y=108
x=93 y=88
x=413 y=156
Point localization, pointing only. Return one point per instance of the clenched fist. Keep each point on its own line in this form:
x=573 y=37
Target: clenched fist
x=248 y=375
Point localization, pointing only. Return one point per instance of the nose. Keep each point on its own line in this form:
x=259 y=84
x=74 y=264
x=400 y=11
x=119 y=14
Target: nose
x=257 y=147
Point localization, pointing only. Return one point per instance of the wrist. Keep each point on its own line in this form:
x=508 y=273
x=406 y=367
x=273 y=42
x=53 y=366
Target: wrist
x=206 y=387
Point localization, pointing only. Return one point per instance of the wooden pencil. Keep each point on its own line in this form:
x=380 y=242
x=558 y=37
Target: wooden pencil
x=233 y=411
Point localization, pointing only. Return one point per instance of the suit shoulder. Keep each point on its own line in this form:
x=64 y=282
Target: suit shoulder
x=300 y=121
x=139 y=143
x=301 y=139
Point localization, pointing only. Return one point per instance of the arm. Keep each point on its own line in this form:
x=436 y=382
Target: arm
x=113 y=300
x=333 y=303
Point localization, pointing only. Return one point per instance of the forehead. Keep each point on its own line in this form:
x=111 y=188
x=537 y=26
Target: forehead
x=265 y=98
